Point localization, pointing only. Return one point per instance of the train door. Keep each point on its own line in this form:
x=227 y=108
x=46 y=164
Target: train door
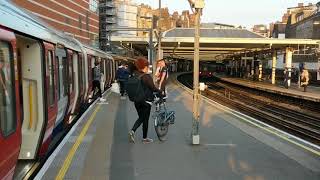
x=62 y=64
x=103 y=72
x=92 y=60
x=76 y=72
x=34 y=124
x=85 y=79
x=71 y=84
x=107 y=73
x=112 y=71
x=51 y=94
x=111 y=66
x=82 y=77
x=10 y=131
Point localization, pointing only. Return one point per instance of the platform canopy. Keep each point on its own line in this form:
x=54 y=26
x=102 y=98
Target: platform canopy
x=217 y=44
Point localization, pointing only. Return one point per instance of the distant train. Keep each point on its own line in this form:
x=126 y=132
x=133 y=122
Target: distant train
x=208 y=69
x=45 y=79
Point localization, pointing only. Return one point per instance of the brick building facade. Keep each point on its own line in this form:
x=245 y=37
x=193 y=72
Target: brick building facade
x=77 y=17
x=303 y=22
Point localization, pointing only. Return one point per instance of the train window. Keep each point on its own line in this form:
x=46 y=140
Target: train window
x=70 y=75
x=65 y=76
x=102 y=66
x=7 y=105
x=61 y=57
x=51 y=78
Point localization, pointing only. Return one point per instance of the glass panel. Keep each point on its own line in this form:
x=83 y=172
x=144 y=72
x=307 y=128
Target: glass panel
x=51 y=78
x=7 y=108
x=64 y=77
x=71 y=74
x=102 y=66
x=61 y=57
x=93 y=5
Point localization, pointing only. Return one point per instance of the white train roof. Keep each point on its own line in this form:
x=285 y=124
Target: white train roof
x=22 y=21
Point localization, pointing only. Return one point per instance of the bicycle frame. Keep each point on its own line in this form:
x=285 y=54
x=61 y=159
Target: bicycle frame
x=161 y=109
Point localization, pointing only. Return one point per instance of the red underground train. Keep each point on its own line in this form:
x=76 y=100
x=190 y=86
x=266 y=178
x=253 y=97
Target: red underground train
x=45 y=80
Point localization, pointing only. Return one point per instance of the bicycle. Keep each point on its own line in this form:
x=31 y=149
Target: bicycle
x=162 y=118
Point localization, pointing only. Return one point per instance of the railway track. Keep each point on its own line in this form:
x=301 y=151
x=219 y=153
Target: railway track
x=292 y=120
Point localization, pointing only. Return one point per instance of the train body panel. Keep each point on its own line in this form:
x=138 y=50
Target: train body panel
x=10 y=117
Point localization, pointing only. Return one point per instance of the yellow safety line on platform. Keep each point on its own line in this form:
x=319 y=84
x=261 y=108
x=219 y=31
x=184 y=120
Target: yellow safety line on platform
x=255 y=124
x=68 y=160
x=73 y=150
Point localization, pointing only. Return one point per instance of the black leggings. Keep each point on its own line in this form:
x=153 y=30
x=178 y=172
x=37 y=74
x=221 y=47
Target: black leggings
x=122 y=87
x=96 y=84
x=143 y=110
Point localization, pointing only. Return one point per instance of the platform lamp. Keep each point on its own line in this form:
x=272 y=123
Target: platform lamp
x=196 y=6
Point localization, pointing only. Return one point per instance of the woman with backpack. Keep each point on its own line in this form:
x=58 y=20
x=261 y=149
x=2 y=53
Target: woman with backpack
x=142 y=105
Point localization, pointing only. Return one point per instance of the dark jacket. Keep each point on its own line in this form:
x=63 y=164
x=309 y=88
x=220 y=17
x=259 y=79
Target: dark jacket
x=122 y=74
x=150 y=88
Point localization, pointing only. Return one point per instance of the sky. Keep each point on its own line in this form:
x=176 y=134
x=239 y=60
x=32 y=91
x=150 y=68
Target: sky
x=235 y=12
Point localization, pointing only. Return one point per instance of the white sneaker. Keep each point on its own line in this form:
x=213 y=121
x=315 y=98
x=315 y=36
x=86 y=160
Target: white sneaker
x=131 y=136
x=102 y=99
x=147 y=141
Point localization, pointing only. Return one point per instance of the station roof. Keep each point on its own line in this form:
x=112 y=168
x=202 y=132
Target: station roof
x=217 y=44
x=212 y=33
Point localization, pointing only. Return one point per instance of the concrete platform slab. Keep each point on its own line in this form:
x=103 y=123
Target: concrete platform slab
x=230 y=147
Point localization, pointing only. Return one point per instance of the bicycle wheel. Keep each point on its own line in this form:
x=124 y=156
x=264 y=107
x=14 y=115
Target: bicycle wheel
x=161 y=129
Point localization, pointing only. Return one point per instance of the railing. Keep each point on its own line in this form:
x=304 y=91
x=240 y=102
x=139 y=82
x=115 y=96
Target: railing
x=107 y=4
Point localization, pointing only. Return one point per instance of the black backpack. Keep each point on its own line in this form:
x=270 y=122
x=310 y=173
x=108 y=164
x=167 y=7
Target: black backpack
x=136 y=89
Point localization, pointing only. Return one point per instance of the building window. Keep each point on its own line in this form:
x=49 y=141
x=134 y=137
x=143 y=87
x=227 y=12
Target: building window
x=93 y=6
x=300 y=17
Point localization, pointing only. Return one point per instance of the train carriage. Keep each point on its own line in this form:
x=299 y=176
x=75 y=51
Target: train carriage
x=45 y=79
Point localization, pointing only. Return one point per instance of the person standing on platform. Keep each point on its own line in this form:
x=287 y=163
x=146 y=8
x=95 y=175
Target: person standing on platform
x=96 y=80
x=157 y=73
x=305 y=79
x=163 y=76
x=286 y=77
x=122 y=76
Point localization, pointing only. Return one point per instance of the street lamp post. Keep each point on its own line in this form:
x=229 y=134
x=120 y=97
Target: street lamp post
x=159 y=32
x=198 y=5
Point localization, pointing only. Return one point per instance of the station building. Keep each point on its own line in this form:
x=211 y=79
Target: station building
x=78 y=17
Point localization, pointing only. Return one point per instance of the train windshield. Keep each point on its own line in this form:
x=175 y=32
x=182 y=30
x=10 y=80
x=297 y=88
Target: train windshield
x=7 y=120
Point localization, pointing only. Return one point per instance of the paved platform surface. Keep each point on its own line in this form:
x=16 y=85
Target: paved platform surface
x=230 y=147
x=312 y=94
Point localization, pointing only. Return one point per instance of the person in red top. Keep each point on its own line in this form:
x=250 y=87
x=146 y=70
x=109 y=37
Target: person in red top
x=143 y=108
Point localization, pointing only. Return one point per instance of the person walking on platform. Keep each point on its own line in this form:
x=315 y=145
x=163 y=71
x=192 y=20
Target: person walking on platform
x=142 y=81
x=305 y=79
x=122 y=76
x=96 y=80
